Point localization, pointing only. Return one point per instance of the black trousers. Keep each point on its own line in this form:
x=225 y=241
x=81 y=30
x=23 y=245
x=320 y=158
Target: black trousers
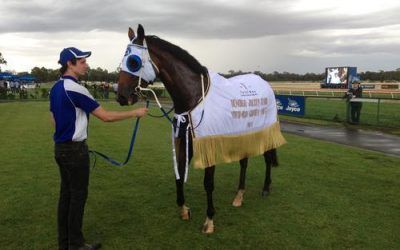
x=73 y=161
x=355 y=112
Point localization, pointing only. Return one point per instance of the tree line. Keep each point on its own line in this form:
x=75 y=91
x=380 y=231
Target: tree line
x=98 y=74
x=284 y=76
x=43 y=74
x=381 y=76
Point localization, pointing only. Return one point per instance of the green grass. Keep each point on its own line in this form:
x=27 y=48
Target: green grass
x=324 y=195
x=335 y=110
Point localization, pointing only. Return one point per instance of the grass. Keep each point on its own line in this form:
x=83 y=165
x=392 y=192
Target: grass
x=324 y=195
x=335 y=110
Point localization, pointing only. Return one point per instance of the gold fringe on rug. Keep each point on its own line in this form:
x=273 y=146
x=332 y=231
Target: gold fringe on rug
x=211 y=150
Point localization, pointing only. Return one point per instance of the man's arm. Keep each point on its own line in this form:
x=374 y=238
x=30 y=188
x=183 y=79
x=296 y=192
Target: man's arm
x=112 y=116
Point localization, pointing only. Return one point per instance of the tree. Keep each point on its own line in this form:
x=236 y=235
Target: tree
x=2 y=60
x=45 y=75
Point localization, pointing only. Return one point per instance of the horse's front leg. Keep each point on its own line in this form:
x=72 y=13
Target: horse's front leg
x=180 y=197
x=208 y=226
x=180 y=200
x=237 y=202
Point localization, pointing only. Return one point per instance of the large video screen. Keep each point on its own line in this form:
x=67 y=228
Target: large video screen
x=336 y=75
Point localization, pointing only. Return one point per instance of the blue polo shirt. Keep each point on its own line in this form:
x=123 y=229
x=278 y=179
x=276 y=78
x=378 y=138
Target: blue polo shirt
x=71 y=104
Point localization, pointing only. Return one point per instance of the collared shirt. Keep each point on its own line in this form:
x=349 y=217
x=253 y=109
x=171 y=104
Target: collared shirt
x=71 y=104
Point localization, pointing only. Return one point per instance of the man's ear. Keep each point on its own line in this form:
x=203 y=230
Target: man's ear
x=70 y=64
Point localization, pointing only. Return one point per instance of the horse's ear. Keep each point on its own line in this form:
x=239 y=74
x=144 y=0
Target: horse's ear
x=131 y=34
x=140 y=32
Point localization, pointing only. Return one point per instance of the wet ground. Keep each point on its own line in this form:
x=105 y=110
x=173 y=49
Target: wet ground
x=372 y=140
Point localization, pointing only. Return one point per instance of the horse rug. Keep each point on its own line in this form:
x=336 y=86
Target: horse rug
x=237 y=119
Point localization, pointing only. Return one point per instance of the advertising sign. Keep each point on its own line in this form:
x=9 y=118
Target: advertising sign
x=290 y=105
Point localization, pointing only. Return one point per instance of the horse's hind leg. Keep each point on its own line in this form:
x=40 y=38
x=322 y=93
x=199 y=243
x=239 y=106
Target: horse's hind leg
x=237 y=202
x=270 y=160
x=208 y=226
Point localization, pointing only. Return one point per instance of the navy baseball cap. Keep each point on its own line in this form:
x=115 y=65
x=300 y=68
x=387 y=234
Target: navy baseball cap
x=356 y=80
x=70 y=53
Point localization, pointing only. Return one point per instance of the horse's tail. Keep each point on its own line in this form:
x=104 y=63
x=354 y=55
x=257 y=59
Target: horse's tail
x=273 y=157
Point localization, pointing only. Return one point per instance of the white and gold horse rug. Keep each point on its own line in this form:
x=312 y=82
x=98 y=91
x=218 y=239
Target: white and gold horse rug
x=239 y=120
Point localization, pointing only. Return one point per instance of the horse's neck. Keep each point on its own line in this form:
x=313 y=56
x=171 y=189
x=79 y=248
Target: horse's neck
x=184 y=90
x=183 y=85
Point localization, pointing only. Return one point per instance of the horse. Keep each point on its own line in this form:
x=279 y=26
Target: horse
x=187 y=82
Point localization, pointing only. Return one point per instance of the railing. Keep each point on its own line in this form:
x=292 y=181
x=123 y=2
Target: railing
x=382 y=94
x=375 y=111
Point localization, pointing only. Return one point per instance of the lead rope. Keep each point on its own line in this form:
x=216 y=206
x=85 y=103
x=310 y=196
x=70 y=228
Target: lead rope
x=140 y=88
x=180 y=118
x=130 y=151
x=175 y=133
x=174 y=155
x=187 y=155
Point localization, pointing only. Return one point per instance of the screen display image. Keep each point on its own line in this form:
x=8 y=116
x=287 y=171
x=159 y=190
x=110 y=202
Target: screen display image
x=337 y=75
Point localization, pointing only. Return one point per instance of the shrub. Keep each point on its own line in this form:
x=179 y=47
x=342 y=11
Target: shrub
x=3 y=93
x=23 y=94
x=45 y=93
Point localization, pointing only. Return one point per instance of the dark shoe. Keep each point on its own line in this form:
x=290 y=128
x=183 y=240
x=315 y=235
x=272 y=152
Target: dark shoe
x=92 y=246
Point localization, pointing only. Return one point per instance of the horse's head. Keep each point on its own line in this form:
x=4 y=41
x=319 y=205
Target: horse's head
x=136 y=68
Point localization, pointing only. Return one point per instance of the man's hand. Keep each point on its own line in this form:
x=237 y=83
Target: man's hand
x=140 y=112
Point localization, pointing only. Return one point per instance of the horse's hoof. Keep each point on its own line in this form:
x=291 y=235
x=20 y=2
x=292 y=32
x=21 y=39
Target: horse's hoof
x=208 y=227
x=264 y=193
x=185 y=213
x=237 y=202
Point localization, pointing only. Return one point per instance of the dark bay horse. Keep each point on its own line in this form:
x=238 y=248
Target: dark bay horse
x=182 y=76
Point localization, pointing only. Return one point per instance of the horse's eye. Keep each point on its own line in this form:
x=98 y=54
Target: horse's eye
x=134 y=63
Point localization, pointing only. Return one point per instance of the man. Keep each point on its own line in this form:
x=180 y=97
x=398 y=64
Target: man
x=355 y=107
x=70 y=105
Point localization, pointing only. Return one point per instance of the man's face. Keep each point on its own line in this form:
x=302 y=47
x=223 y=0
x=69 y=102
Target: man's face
x=80 y=68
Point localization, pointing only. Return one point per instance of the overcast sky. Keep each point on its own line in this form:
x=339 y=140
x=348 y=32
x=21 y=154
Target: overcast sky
x=267 y=35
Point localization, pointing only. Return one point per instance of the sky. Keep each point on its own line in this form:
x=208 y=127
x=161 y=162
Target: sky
x=297 y=36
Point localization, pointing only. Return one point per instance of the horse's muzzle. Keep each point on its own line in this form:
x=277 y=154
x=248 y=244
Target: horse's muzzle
x=122 y=100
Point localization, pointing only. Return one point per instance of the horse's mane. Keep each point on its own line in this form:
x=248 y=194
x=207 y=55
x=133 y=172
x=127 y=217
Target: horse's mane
x=180 y=53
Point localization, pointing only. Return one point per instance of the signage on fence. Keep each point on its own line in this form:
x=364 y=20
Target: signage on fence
x=290 y=105
x=368 y=86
